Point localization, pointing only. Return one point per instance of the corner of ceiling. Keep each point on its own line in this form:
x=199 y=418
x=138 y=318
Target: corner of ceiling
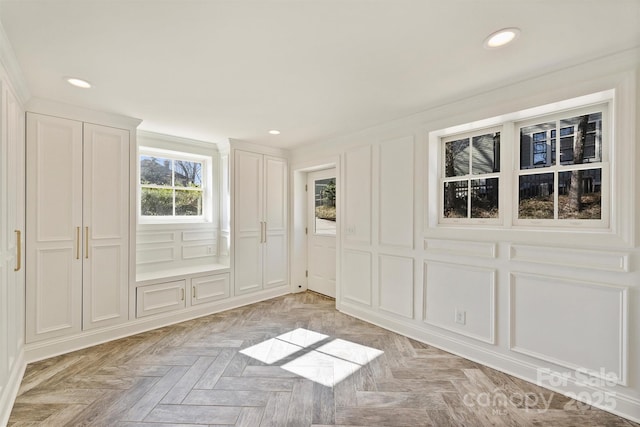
x=14 y=73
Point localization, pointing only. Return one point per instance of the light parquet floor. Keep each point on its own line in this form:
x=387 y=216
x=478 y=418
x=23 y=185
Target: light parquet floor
x=193 y=374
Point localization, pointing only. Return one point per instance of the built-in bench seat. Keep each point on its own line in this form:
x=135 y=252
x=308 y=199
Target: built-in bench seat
x=180 y=273
x=181 y=288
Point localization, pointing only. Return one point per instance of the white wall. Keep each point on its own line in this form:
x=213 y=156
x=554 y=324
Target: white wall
x=532 y=298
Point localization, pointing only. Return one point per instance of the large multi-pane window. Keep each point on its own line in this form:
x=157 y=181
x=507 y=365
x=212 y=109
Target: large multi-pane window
x=555 y=166
x=471 y=176
x=172 y=185
x=561 y=167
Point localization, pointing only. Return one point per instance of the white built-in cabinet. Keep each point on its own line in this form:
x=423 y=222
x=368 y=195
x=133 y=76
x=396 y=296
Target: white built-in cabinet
x=11 y=241
x=260 y=222
x=77 y=226
x=188 y=291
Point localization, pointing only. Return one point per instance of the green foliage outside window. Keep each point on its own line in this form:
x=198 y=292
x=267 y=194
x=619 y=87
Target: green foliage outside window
x=170 y=187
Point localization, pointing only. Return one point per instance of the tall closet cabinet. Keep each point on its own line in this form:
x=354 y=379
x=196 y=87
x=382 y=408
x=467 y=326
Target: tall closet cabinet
x=260 y=221
x=11 y=245
x=78 y=226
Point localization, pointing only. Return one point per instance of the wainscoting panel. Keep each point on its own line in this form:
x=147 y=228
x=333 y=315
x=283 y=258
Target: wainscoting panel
x=461 y=247
x=153 y=238
x=575 y=324
x=396 y=192
x=357 y=198
x=174 y=246
x=596 y=260
x=356 y=276
x=460 y=299
x=154 y=255
x=198 y=251
x=190 y=236
x=396 y=285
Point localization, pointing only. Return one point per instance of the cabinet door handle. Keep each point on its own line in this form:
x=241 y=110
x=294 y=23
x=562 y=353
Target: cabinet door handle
x=195 y=296
x=77 y=242
x=181 y=294
x=265 y=231
x=18 y=250
x=86 y=243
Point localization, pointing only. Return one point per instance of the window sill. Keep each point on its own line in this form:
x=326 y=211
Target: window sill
x=172 y=221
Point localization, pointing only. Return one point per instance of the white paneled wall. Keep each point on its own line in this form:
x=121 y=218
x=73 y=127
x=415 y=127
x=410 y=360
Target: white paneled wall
x=357 y=196
x=395 y=204
x=396 y=285
x=165 y=247
x=357 y=277
x=588 y=321
x=452 y=289
x=523 y=300
x=595 y=260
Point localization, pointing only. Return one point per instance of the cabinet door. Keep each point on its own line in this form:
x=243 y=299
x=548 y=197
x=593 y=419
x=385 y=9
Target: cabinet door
x=248 y=204
x=105 y=226
x=275 y=208
x=54 y=223
x=13 y=136
x=11 y=219
x=161 y=297
x=209 y=288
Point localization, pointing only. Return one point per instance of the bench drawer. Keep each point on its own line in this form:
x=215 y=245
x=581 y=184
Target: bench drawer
x=160 y=297
x=209 y=288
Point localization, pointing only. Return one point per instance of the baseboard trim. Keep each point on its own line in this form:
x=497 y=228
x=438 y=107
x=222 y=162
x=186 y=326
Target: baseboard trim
x=625 y=406
x=10 y=391
x=43 y=350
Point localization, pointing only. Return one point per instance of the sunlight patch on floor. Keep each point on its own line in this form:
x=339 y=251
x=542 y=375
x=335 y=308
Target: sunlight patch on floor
x=327 y=365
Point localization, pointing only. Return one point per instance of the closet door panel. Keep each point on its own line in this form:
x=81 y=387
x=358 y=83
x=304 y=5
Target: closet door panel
x=106 y=226
x=275 y=265
x=14 y=134
x=248 y=182
x=275 y=202
x=248 y=264
x=275 y=194
x=54 y=221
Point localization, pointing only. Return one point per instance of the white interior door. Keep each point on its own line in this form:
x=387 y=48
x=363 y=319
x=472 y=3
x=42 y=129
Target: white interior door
x=321 y=232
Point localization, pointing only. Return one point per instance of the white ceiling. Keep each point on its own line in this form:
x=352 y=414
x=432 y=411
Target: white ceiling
x=310 y=68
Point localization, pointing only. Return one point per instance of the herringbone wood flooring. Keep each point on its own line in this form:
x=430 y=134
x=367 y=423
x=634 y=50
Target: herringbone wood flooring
x=193 y=373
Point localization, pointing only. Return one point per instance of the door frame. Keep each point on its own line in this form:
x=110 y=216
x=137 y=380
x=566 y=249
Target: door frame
x=299 y=219
x=312 y=178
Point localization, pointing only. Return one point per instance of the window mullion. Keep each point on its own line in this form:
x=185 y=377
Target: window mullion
x=469 y=197
x=469 y=177
x=173 y=185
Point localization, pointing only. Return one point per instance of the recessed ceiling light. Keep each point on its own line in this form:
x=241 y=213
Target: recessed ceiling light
x=274 y=132
x=501 y=38
x=78 y=82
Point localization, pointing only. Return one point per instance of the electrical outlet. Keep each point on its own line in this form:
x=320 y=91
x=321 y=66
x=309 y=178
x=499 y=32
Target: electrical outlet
x=209 y=250
x=461 y=316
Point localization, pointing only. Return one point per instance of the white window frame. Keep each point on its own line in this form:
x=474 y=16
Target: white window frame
x=207 y=186
x=469 y=177
x=605 y=184
x=508 y=125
